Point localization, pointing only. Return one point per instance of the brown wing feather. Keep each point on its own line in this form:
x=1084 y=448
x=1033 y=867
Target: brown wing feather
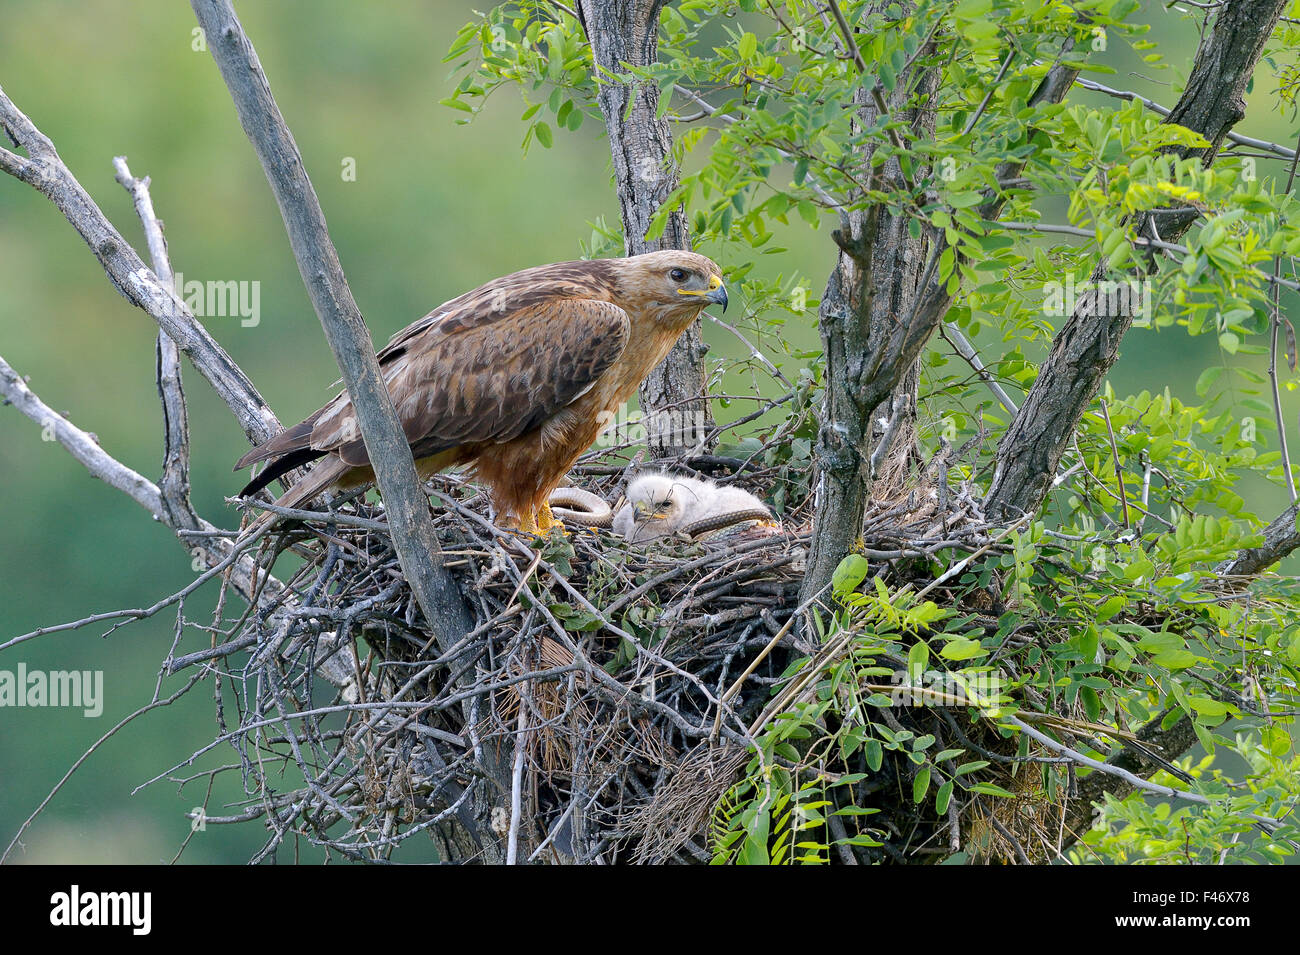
x=463 y=383
x=488 y=304
x=505 y=303
x=296 y=438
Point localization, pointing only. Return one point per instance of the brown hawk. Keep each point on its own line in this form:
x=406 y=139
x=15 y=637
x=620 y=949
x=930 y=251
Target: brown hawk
x=514 y=379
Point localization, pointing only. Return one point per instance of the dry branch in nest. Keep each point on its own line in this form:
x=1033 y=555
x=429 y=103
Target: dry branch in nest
x=623 y=681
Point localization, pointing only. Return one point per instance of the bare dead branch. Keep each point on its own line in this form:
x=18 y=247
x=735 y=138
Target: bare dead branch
x=215 y=553
x=349 y=339
x=44 y=171
x=80 y=444
x=174 y=485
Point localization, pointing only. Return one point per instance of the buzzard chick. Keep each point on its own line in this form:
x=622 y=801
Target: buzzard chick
x=661 y=505
x=514 y=379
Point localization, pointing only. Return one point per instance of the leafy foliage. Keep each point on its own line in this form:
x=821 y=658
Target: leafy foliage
x=1109 y=611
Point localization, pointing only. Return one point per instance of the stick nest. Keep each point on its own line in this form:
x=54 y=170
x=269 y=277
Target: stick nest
x=590 y=699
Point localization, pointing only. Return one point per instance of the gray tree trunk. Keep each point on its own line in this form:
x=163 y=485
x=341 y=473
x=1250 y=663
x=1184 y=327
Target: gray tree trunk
x=878 y=312
x=870 y=356
x=627 y=31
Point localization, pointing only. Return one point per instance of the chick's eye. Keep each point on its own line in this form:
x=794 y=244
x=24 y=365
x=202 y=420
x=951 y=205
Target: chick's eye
x=678 y=275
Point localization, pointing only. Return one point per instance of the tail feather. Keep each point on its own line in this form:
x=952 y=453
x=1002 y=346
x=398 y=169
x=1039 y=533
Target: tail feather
x=280 y=467
x=316 y=482
x=297 y=438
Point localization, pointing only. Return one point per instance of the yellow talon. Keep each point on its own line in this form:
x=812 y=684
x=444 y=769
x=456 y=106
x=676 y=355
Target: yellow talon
x=539 y=524
x=545 y=520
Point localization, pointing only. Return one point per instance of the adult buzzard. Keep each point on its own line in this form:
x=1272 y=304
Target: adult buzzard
x=515 y=379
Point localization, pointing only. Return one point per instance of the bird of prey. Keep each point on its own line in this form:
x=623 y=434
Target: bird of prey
x=661 y=505
x=515 y=379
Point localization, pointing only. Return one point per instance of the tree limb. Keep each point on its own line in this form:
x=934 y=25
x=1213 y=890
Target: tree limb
x=45 y=172
x=1280 y=539
x=673 y=401
x=82 y=445
x=1086 y=347
x=419 y=552
x=869 y=348
x=414 y=539
x=174 y=485
x=211 y=550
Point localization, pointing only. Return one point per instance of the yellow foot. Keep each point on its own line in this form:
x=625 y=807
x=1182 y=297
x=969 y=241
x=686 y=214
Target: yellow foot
x=538 y=524
x=545 y=520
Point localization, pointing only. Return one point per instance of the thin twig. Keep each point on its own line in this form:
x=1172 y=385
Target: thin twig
x=1119 y=471
x=136 y=282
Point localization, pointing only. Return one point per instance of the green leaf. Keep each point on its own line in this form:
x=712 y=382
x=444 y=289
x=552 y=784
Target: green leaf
x=1108 y=609
x=850 y=573
x=918 y=658
x=942 y=797
x=1091 y=702
x=1205 y=736
x=455 y=103
x=1204 y=706
x=1207 y=379
x=1175 y=659
x=961 y=648
x=920 y=784
x=988 y=789
x=888 y=76
x=874 y=753
x=1089 y=641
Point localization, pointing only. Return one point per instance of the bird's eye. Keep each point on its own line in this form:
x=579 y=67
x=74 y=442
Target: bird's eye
x=678 y=275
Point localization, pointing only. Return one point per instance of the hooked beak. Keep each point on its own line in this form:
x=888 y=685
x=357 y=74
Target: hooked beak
x=716 y=294
x=646 y=511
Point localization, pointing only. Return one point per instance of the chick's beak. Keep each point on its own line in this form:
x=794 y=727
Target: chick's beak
x=644 y=511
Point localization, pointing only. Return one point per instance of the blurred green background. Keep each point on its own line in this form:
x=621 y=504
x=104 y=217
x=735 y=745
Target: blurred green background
x=435 y=209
